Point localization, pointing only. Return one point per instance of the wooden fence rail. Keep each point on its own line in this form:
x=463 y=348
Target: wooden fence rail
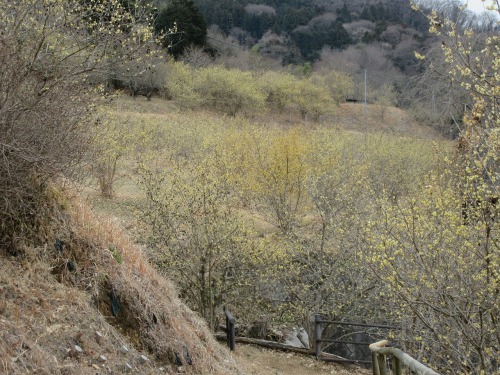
x=379 y=361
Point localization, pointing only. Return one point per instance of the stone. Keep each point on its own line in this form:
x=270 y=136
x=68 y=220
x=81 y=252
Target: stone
x=293 y=340
x=98 y=337
x=115 y=303
x=187 y=356
x=75 y=351
x=303 y=337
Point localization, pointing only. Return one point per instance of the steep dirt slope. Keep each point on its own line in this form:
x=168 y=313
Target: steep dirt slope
x=72 y=301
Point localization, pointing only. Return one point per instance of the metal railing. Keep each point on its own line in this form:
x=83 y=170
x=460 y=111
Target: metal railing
x=318 y=339
x=399 y=358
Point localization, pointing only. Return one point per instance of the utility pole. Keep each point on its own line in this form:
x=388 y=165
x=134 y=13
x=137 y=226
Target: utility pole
x=364 y=107
x=433 y=102
x=365 y=117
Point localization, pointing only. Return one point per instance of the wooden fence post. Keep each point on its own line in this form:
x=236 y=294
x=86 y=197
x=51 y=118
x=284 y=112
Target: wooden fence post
x=396 y=366
x=375 y=369
x=317 y=323
x=230 y=330
x=382 y=364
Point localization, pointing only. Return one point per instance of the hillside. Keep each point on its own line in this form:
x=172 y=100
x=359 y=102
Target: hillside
x=84 y=300
x=80 y=290
x=57 y=295
x=57 y=315
x=84 y=282
x=250 y=177
x=299 y=30
x=373 y=42
x=183 y=133
x=379 y=118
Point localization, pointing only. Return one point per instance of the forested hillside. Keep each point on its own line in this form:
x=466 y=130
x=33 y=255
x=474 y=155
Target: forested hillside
x=308 y=26
x=373 y=42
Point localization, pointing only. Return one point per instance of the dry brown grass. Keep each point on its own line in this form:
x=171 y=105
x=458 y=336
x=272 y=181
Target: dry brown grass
x=166 y=327
x=52 y=301
x=377 y=118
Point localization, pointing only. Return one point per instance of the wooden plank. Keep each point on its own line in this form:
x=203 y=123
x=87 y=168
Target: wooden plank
x=339 y=360
x=267 y=344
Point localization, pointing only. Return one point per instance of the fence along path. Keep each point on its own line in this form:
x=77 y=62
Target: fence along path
x=379 y=350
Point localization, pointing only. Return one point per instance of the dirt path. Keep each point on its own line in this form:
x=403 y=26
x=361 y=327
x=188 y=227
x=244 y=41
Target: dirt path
x=261 y=361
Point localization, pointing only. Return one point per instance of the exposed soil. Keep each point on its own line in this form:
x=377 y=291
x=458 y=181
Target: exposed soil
x=260 y=361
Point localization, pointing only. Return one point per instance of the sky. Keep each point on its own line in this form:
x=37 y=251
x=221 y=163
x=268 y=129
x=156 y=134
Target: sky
x=477 y=5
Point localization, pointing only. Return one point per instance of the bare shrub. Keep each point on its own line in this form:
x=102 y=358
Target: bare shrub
x=49 y=52
x=44 y=129
x=196 y=57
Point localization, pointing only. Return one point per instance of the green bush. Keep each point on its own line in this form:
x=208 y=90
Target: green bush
x=181 y=85
x=230 y=91
x=280 y=89
x=312 y=98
